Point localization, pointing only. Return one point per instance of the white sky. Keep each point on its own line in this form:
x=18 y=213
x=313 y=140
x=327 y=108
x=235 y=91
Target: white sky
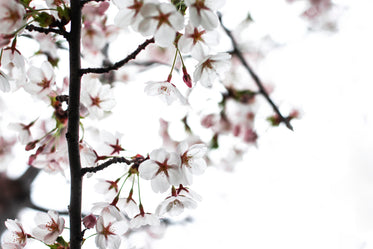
x=308 y=189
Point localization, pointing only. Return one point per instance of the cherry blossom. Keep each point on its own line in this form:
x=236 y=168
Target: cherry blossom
x=161 y=20
x=41 y=79
x=112 y=143
x=202 y=12
x=166 y=90
x=129 y=206
x=197 y=41
x=210 y=67
x=109 y=188
x=110 y=226
x=174 y=205
x=143 y=219
x=192 y=162
x=13 y=62
x=15 y=235
x=24 y=133
x=129 y=12
x=89 y=221
x=162 y=168
x=11 y=16
x=49 y=227
x=4 y=82
x=96 y=97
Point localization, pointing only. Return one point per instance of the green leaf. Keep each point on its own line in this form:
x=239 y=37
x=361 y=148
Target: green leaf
x=44 y=19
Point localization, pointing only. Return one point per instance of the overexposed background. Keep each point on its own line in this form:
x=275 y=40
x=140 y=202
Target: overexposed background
x=311 y=188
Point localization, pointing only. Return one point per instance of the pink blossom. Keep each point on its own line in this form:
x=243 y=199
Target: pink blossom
x=89 y=221
x=166 y=90
x=210 y=67
x=162 y=168
x=161 y=20
x=15 y=234
x=49 y=227
x=11 y=16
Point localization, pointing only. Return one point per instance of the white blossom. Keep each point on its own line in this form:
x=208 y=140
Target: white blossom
x=174 y=205
x=11 y=16
x=197 y=41
x=165 y=90
x=41 y=79
x=202 y=12
x=210 y=67
x=15 y=236
x=161 y=20
x=49 y=227
x=4 y=82
x=13 y=64
x=162 y=168
x=143 y=219
x=110 y=226
x=192 y=161
x=129 y=12
x=96 y=97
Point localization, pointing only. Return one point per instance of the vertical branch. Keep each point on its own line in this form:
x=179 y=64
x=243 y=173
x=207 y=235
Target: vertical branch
x=72 y=135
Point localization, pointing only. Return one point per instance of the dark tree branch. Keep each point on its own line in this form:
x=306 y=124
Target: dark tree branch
x=118 y=64
x=48 y=30
x=72 y=135
x=255 y=77
x=137 y=161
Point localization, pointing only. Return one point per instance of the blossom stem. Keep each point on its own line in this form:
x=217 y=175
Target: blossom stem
x=121 y=187
x=173 y=66
x=138 y=186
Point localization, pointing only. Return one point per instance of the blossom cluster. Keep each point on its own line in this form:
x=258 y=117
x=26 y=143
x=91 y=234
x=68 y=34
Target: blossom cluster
x=49 y=226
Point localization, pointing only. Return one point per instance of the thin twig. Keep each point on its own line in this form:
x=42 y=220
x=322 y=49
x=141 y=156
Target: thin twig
x=120 y=63
x=255 y=77
x=137 y=161
x=47 y=30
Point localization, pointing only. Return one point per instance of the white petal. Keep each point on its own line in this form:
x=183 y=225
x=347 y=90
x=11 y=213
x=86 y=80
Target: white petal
x=165 y=36
x=160 y=183
x=148 y=169
x=209 y=19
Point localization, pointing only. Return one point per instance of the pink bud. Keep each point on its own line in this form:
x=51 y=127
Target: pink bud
x=89 y=221
x=31 y=145
x=186 y=78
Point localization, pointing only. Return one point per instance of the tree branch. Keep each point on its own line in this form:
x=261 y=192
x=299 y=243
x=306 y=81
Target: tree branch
x=72 y=135
x=137 y=161
x=120 y=63
x=255 y=77
x=48 y=30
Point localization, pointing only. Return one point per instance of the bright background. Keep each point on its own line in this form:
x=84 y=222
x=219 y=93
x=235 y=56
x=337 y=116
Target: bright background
x=311 y=188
